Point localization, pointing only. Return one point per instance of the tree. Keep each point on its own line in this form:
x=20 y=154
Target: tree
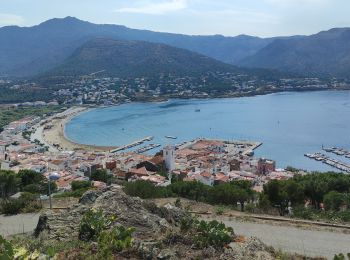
x=100 y=175
x=30 y=177
x=77 y=185
x=8 y=183
x=276 y=195
x=334 y=200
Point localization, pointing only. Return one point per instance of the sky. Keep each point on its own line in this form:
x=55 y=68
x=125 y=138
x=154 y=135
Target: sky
x=264 y=18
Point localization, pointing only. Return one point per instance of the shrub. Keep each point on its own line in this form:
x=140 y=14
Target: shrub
x=11 y=206
x=334 y=200
x=26 y=203
x=145 y=190
x=219 y=210
x=113 y=241
x=92 y=224
x=6 y=249
x=211 y=233
x=77 y=185
x=178 y=203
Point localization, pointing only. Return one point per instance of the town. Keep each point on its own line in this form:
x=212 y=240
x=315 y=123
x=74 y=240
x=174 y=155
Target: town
x=106 y=91
x=208 y=161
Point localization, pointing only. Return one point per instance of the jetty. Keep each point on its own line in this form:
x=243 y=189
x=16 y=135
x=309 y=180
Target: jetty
x=147 y=148
x=329 y=161
x=134 y=144
x=338 y=151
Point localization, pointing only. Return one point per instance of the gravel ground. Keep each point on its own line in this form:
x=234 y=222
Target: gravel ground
x=294 y=240
x=18 y=224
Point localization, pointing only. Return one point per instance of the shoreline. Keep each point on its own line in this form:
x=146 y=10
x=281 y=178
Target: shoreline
x=56 y=137
x=60 y=137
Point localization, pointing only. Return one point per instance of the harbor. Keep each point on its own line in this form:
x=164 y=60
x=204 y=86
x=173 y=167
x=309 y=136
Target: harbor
x=338 y=151
x=134 y=144
x=329 y=161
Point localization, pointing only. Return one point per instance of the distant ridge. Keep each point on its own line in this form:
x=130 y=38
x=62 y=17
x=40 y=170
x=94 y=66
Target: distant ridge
x=135 y=58
x=324 y=54
x=29 y=51
x=26 y=51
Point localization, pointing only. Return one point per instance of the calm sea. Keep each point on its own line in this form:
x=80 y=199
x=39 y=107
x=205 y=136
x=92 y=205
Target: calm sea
x=289 y=124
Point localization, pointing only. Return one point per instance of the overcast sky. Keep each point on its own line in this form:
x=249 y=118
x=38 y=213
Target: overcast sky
x=228 y=17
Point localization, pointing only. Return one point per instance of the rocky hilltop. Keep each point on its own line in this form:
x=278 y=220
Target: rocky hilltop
x=158 y=231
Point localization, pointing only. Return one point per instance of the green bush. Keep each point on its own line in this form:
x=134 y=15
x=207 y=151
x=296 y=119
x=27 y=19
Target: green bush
x=77 y=185
x=6 y=249
x=114 y=241
x=92 y=224
x=212 y=233
x=219 y=210
x=11 y=206
x=146 y=190
x=72 y=194
x=334 y=200
x=26 y=203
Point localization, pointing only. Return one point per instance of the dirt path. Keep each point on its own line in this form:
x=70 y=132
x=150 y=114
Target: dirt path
x=292 y=239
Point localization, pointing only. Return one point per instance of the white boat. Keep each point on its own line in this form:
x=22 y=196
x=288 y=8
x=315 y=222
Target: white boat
x=170 y=137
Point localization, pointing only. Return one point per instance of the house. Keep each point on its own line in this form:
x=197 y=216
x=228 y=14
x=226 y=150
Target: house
x=57 y=165
x=265 y=166
x=205 y=178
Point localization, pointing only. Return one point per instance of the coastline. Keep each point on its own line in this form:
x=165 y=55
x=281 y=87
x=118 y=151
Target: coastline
x=56 y=137
x=57 y=134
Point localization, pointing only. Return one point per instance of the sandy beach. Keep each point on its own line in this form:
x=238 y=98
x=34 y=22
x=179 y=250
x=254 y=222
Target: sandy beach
x=54 y=135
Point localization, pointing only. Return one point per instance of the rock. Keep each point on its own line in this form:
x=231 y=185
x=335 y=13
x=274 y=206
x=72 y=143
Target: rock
x=148 y=249
x=167 y=254
x=89 y=197
x=129 y=212
x=41 y=226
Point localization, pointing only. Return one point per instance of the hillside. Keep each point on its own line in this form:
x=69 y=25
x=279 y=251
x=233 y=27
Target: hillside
x=133 y=58
x=112 y=225
x=324 y=54
x=26 y=51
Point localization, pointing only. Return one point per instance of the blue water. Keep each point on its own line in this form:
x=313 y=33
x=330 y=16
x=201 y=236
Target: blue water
x=289 y=124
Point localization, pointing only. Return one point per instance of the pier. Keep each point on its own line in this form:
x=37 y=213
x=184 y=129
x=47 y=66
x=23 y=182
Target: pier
x=134 y=144
x=338 y=151
x=329 y=161
x=147 y=148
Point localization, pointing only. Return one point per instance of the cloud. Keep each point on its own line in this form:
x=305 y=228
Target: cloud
x=10 y=19
x=159 y=8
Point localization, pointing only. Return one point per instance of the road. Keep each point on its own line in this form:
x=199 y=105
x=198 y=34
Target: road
x=18 y=224
x=292 y=239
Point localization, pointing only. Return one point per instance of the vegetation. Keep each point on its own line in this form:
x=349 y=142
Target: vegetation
x=26 y=203
x=227 y=194
x=205 y=234
x=312 y=196
x=330 y=190
x=7 y=115
x=92 y=224
x=114 y=241
x=29 y=183
x=101 y=175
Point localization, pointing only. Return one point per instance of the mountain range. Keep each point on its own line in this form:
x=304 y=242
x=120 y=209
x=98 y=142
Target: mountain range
x=122 y=58
x=29 y=51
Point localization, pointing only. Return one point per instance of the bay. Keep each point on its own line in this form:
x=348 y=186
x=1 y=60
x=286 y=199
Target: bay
x=289 y=124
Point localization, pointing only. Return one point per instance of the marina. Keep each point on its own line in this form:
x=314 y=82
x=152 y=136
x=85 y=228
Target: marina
x=272 y=119
x=329 y=161
x=147 y=148
x=134 y=144
x=338 y=151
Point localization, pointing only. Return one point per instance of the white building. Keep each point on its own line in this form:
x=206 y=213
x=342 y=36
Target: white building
x=169 y=157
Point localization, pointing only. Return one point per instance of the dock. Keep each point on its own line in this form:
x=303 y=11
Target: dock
x=329 y=161
x=338 y=151
x=134 y=144
x=147 y=148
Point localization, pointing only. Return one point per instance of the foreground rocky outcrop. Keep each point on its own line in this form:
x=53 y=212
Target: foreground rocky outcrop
x=157 y=229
